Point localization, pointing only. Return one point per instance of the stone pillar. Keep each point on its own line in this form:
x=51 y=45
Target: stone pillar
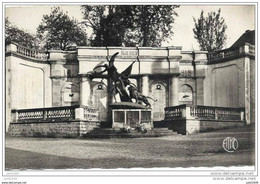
x=174 y=98
x=85 y=91
x=145 y=85
x=57 y=80
x=79 y=113
x=247 y=91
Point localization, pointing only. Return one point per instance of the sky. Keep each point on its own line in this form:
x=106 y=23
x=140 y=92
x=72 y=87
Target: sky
x=238 y=18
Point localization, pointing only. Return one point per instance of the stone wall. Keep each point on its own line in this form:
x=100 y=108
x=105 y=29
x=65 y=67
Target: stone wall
x=28 y=83
x=187 y=127
x=224 y=84
x=192 y=74
x=65 y=79
x=215 y=125
x=252 y=90
x=151 y=60
x=54 y=129
x=178 y=126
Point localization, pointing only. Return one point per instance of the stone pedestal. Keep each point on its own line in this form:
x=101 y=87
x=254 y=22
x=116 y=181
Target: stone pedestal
x=126 y=114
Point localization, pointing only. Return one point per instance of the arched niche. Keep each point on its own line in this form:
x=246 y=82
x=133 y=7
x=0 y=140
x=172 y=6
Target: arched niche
x=185 y=94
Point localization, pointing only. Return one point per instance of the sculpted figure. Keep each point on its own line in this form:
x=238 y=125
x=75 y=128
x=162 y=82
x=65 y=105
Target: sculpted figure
x=139 y=97
x=120 y=80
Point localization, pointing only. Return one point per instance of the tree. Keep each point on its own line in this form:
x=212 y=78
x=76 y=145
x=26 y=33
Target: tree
x=14 y=34
x=129 y=25
x=210 y=31
x=154 y=24
x=109 y=23
x=58 y=30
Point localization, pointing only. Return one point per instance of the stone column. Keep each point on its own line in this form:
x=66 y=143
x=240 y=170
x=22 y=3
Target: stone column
x=247 y=91
x=57 y=75
x=145 y=85
x=85 y=90
x=174 y=98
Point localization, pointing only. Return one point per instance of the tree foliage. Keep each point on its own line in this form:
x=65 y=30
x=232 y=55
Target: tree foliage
x=210 y=31
x=58 y=30
x=109 y=23
x=14 y=34
x=129 y=25
x=154 y=23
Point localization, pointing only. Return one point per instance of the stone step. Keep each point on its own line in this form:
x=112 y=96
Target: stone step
x=111 y=133
x=132 y=131
x=162 y=130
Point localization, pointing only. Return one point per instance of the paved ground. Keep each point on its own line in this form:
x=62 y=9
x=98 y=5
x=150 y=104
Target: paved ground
x=203 y=149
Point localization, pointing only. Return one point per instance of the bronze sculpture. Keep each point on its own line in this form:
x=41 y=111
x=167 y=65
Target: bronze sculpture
x=120 y=80
x=139 y=97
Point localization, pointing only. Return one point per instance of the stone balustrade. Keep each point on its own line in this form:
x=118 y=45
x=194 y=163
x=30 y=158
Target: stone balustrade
x=32 y=53
x=189 y=119
x=174 y=112
x=231 y=52
x=204 y=113
x=223 y=54
x=55 y=114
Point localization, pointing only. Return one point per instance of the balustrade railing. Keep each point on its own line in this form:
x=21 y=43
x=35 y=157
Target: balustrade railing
x=204 y=113
x=54 y=114
x=228 y=114
x=227 y=53
x=175 y=112
x=30 y=114
x=37 y=54
x=61 y=113
x=223 y=54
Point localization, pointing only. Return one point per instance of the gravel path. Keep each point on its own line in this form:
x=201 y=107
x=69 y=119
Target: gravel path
x=203 y=149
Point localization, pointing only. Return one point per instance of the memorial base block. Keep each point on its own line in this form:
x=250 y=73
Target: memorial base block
x=130 y=115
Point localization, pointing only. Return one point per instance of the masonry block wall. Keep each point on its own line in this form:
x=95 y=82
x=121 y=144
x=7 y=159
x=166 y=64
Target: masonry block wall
x=225 y=84
x=252 y=89
x=67 y=129
x=170 y=75
x=65 y=79
x=28 y=83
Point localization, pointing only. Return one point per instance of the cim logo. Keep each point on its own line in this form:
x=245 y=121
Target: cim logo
x=230 y=144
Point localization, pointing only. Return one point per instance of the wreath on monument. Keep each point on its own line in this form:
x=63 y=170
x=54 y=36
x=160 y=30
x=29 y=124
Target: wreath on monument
x=127 y=129
x=142 y=129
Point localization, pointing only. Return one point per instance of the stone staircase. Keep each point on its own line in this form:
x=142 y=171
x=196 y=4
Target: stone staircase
x=111 y=133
